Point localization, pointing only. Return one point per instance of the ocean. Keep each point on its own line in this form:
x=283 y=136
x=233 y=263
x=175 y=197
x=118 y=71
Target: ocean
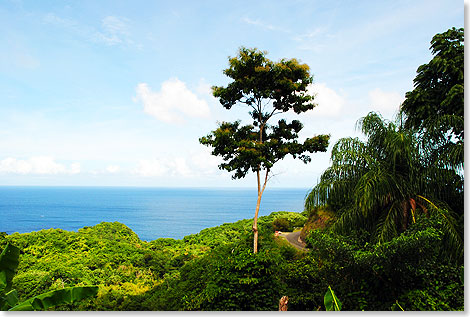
x=151 y=213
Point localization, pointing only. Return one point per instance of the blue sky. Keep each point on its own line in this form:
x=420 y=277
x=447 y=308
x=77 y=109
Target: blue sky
x=117 y=93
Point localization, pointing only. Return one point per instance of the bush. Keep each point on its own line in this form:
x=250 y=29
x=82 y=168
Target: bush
x=228 y=278
x=367 y=276
x=281 y=224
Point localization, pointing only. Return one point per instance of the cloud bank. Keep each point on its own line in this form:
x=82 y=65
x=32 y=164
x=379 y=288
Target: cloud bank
x=38 y=165
x=163 y=167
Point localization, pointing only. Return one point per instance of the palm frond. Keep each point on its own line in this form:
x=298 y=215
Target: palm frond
x=386 y=227
x=376 y=188
x=453 y=241
x=350 y=219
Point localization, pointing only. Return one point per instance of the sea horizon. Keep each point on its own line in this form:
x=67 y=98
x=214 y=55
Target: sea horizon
x=157 y=187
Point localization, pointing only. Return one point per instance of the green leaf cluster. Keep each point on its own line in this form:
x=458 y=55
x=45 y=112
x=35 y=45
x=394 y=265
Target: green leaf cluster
x=439 y=85
x=255 y=77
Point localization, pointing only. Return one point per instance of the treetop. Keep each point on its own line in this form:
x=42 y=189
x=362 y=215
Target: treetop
x=258 y=81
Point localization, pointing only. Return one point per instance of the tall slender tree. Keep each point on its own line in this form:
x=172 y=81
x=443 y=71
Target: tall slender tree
x=268 y=89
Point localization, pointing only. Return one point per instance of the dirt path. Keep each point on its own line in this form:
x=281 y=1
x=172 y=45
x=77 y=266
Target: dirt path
x=294 y=239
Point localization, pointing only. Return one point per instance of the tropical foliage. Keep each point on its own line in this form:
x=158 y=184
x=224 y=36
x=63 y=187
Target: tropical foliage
x=408 y=167
x=332 y=303
x=215 y=269
x=9 y=298
x=112 y=257
x=381 y=185
x=409 y=269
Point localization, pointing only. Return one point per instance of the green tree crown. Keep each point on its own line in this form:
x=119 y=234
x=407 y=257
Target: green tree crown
x=268 y=88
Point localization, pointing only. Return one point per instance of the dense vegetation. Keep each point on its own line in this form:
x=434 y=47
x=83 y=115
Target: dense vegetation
x=397 y=196
x=131 y=273
x=216 y=270
x=384 y=228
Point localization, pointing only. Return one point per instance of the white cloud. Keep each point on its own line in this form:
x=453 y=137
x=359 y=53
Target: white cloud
x=314 y=40
x=115 y=25
x=112 y=169
x=172 y=103
x=204 y=89
x=179 y=167
x=115 y=31
x=150 y=168
x=329 y=102
x=165 y=167
x=385 y=102
x=204 y=162
x=39 y=165
x=75 y=168
x=51 y=18
x=259 y=23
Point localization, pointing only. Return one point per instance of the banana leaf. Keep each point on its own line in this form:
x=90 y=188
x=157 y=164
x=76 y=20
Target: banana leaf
x=58 y=297
x=8 y=300
x=332 y=302
x=9 y=260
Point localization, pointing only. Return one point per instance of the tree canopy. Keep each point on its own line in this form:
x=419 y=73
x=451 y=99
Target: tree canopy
x=435 y=107
x=439 y=84
x=268 y=88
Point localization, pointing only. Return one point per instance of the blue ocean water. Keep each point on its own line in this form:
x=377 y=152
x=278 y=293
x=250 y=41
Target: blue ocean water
x=151 y=213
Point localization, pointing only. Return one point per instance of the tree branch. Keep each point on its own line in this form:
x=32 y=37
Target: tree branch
x=265 y=180
x=273 y=113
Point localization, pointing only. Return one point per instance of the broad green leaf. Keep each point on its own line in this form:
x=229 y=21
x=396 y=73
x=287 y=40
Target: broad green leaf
x=8 y=265
x=3 y=280
x=58 y=297
x=332 y=302
x=9 y=300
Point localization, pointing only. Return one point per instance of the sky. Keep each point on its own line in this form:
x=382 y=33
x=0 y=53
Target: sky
x=117 y=93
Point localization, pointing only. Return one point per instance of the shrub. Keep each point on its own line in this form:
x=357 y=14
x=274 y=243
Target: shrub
x=281 y=224
x=366 y=276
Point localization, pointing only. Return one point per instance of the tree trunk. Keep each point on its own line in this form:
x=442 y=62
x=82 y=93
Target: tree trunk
x=404 y=206
x=283 y=303
x=260 y=191
x=258 y=203
x=255 y=224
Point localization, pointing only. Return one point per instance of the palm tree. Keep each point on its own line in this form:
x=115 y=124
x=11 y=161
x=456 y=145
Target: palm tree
x=383 y=184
